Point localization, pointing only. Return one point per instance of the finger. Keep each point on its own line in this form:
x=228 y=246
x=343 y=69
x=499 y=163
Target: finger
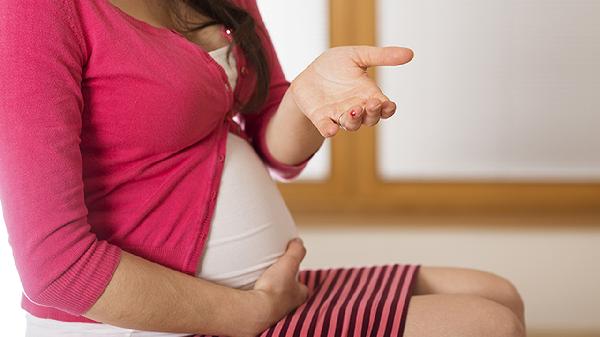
x=322 y=121
x=294 y=254
x=349 y=113
x=388 y=109
x=294 y=240
x=353 y=118
x=327 y=128
x=369 y=56
x=373 y=112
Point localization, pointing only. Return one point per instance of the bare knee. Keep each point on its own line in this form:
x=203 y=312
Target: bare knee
x=466 y=281
x=503 y=291
x=503 y=321
x=460 y=316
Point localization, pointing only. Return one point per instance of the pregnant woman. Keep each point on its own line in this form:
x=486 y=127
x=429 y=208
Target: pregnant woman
x=138 y=145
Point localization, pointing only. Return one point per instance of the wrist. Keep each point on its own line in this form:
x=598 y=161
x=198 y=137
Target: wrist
x=290 y=104
x=259 y=308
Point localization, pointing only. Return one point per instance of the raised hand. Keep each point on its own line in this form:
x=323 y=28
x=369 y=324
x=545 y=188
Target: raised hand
x=335 y=90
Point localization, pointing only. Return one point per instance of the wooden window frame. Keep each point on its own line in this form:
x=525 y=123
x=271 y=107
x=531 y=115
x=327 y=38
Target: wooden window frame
x=355 y=186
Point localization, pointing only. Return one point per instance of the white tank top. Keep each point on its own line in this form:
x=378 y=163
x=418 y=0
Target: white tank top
x=250 y=228
x=251 y=224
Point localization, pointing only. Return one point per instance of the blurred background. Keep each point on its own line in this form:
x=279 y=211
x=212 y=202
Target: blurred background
x=491 y=162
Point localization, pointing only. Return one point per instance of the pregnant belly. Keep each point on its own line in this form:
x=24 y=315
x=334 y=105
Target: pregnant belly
x=251 y=224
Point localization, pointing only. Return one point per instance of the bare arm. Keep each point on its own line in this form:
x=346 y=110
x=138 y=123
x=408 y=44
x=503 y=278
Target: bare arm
x=291 y=136
x=144 y=295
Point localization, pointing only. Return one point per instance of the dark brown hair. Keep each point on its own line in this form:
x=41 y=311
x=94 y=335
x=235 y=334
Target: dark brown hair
x=245 y=35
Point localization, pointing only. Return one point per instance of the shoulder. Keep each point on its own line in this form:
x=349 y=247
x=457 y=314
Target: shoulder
x=35 y=9
x=40 y=31
x=40 y=24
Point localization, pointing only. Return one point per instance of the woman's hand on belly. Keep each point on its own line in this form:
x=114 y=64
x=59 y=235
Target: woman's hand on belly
x=278 y=288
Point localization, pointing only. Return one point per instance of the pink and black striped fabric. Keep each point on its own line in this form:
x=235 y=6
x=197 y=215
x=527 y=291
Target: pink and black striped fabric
x=351 y=302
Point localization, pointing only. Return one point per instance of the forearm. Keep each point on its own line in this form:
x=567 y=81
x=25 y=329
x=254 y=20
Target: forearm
x=291 y=137
x=144 y=295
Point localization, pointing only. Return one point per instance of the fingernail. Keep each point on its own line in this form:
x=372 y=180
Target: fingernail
x=299 y=240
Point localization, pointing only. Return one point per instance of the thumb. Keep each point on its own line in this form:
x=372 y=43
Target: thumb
x=369 y=56
x=294 y=254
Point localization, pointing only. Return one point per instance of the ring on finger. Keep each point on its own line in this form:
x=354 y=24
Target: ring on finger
x=339 y=122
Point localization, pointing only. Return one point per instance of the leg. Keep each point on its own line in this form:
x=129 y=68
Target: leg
x=441 y=280
x=460 y=316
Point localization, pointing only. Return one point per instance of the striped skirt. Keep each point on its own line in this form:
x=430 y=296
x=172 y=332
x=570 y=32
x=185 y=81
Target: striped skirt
x=351 y=302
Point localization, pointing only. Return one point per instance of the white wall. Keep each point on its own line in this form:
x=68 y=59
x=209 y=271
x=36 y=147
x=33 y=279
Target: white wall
x=300 y=33
x=556 y=270
x=501 y=89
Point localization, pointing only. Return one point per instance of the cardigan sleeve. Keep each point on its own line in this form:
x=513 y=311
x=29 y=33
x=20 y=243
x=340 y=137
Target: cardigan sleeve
x=256 y=124
x=60 y=261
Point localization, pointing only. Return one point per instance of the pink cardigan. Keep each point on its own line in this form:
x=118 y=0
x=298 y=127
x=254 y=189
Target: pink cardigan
x=112 y=137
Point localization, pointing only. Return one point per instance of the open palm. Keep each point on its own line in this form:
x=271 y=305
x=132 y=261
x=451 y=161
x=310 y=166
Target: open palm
x=335 y=87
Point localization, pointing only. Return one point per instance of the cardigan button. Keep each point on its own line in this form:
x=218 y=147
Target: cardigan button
x=221 y=158
x=243 y=70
